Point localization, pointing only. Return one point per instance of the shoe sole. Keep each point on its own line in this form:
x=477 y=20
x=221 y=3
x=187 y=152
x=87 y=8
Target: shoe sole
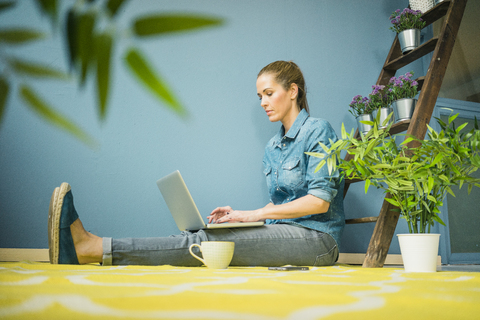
x=54 y=215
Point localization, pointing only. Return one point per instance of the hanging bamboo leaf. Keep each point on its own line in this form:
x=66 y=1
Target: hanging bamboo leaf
x=20 y=36
x=71 y=37
x=6 y=5
x=114 y=5
x=167 y=23
x=54 y=117
x=49 y=7
x=367 y=184
x=320 y=165
x=35 y=69
x=140 y=68
x=4 y=89
x=104 y=52
x=85 y=43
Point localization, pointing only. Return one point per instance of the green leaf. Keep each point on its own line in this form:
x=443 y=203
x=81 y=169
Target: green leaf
x=114 y=5
x=20 y=36
x=53 y=116
x=320 y=165
x=393 y=202
x=4 y=89
x=6 y=5
x=324 y=147
x=316 y=154
x=85 y=43
x=35 y=69
x=437 y=219
x=344 y=132
x=437 y=159
x=452 y=118
x=409 y=139
x=71 y=36
x=461 y=127
x=104 y=51
x=367 y=184
x=49 y=7
x=138 y=65
x=167 y=23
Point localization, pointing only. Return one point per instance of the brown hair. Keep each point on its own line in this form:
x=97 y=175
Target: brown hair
x=285 y=73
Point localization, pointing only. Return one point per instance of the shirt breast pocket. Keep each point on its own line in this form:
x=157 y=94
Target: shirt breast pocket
x=292 y=175
x=267 y=171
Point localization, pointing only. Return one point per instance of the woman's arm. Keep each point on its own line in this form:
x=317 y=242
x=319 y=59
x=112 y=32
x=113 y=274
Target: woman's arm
x=304 y=206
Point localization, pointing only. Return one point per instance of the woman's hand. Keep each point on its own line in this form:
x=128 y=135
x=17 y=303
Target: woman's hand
x=227 y=214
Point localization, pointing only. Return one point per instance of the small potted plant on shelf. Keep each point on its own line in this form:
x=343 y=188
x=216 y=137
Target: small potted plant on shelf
x=407 y=24
x=362 y=111
x=401 y=92
x=380 y=103
x=416 y=174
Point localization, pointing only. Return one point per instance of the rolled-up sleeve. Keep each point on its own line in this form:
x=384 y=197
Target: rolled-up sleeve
x=321 y=184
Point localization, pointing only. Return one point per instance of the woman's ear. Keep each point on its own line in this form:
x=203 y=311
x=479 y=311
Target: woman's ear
x=293 y=91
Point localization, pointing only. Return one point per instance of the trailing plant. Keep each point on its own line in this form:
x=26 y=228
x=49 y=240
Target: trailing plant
x=92 y=33
x=416 y=173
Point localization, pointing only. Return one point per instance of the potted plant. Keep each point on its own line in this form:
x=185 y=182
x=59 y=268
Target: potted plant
x=362 y=111
x=422 y=5
x=407 y=24
x=401 y=92
x=380 y=103
x=417 y=174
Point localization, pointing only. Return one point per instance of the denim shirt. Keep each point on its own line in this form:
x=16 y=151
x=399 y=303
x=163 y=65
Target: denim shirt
x=290 y=173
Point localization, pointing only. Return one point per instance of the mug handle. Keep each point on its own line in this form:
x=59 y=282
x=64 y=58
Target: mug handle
x=194 y=255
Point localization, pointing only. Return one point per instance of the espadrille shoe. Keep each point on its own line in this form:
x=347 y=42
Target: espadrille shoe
x=61 y=214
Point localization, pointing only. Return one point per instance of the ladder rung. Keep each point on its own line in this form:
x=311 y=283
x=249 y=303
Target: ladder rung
x=413 y=55
x=436 y=12
x=361 y=220
x=348 y=180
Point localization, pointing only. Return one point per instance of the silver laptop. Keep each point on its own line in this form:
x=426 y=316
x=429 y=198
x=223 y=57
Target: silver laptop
x=183 y=209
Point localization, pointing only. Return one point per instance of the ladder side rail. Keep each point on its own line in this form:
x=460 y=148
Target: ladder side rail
x=387 y=219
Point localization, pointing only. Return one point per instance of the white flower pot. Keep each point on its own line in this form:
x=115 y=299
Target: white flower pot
x=422 y=5
x=362 y=127
x=419 y=251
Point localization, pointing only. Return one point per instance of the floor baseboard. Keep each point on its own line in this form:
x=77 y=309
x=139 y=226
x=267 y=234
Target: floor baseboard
x=41 y=255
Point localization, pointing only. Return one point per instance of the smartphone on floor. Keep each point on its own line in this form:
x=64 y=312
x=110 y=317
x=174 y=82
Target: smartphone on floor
x=289 y=268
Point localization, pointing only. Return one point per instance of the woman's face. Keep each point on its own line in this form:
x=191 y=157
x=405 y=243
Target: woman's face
x=278 y=103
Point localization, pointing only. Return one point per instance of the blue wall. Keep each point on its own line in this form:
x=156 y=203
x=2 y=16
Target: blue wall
x=340 y=45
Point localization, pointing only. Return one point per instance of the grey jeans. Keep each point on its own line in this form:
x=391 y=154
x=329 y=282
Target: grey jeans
x=270 y=245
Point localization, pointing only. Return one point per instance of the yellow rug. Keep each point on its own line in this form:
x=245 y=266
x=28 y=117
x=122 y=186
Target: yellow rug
x=43 y=291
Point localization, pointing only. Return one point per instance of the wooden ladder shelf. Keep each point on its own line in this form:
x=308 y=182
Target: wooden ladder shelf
x=429 y=86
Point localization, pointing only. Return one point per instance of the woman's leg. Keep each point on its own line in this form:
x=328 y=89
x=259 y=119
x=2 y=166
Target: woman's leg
x=270 y=245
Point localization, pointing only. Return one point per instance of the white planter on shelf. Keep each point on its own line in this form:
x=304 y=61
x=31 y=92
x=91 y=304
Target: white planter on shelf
x=422 y=5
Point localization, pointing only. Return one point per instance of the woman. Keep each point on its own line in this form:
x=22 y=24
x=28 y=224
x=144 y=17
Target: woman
x=304 y=218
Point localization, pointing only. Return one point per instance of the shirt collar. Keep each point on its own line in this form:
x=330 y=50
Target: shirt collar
x=297 y=125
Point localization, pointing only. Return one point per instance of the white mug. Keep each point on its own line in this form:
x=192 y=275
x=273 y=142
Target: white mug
x=216 y=254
